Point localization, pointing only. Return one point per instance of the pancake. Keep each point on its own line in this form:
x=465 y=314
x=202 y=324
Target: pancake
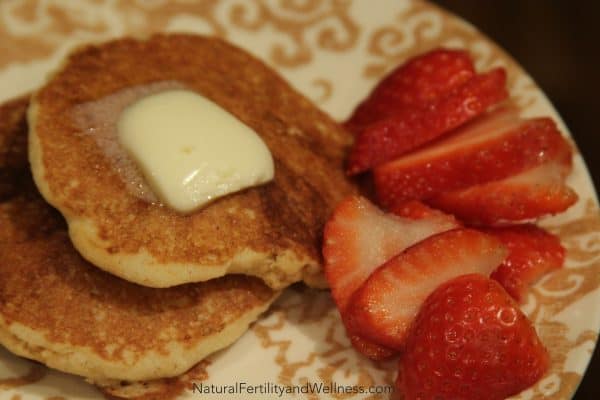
x=272 y=231
x=58 y=309
x=158 y=389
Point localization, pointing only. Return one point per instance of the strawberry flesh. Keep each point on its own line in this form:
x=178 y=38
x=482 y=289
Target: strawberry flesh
x=383 y=308
x=416 y=210
x=368 y=348
x=414 y=84
x=529 y=195
x=408 y=129
x=532 y=253
x=492 y=148
x=470 y=341
x=357 y=239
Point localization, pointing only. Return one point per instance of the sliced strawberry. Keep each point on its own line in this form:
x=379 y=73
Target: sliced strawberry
x=414 y=84
x=532 y=252
x=357 y=239
x=470 y=341
x=408 y=129
x=491 y=148
x=383 y=308
x=369 y=349
x=416 y=210
x=531 y=194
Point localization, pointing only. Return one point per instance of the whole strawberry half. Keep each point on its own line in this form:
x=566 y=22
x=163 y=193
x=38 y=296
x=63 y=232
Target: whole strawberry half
x=470 y=341
x=415 y=84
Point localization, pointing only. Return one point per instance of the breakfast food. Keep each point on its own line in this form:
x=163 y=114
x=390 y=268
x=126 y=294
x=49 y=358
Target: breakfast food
x=424 y=98
x=57 y=308
x=382 y=267
x=494 y=147
x=415 y=84
x=384 y=306
x=403 y=304
x=358 y=238
x=460 y=333
x=272 y=231
x=535 y=192
x=190 y=150
x=532 y=253
x=407 y=129
x=471 y=341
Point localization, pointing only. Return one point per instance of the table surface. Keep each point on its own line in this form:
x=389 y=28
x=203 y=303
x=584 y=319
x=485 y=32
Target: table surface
x=556 y=42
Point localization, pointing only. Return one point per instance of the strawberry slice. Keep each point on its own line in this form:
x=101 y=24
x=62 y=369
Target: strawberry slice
x=367 y=348
x=414 y=84
x=531 y=194
x=408 y=129
x=491 y=148
x=416 y=210
x=383 y=308
x=357 y=239
x=470 y=341
x=532 y=252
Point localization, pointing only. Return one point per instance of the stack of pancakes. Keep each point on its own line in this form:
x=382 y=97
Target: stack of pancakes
x=99 y=281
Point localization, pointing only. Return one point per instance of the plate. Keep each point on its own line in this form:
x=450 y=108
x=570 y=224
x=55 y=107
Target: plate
x=333 y=51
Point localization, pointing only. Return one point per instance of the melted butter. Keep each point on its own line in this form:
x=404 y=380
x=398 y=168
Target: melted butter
x=98 y=119
x=190 y=150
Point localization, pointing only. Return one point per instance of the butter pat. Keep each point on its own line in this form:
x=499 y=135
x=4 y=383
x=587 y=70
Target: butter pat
x=190 y=150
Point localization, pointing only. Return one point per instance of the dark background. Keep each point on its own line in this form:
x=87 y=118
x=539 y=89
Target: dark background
x=557 y=43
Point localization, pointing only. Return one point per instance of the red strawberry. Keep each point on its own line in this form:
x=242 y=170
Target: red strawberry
x=369 y=349
x=470 y=341
x=357 y=239
x=408 y=129
x=494 y=147
x=532 y=252
x=383 y=308
x=531 y=194
x=414 y=84
x=416 y=210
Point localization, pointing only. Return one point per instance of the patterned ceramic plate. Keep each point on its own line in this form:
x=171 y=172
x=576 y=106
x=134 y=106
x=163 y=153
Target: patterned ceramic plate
x=333 y=51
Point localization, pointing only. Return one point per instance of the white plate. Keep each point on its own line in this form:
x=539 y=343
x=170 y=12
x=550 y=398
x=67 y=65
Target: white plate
x=334 y=52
